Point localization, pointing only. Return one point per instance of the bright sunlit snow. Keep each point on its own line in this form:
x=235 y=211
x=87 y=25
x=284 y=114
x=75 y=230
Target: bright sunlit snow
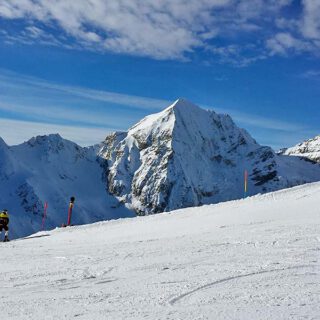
x=257 y=258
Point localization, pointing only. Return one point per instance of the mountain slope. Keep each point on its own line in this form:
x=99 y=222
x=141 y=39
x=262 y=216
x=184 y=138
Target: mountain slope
x=256 y=258
x=309 y=149
x=186 y=156
x=49 y=168
x=183 y=156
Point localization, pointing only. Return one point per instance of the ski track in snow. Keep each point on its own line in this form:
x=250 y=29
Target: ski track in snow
x=209 y=285
x=257 y=258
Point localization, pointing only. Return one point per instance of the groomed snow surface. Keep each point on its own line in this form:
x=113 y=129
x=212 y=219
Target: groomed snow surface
x=257 y=258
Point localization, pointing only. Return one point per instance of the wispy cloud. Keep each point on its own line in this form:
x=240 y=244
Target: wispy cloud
x=166 y=29
x=238 y=55
x=246 y=119
x=38 y=100
x=29 y=100
x=15 y=131
x=311 y=74
x=163 y=29
x=25 y=101
x=299 y=34
x=21 y=82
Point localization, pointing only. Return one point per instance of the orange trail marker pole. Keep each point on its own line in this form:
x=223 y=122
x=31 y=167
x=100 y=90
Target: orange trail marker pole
x=245 y=182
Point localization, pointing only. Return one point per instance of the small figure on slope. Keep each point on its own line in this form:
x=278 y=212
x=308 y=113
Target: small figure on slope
x=4 y=221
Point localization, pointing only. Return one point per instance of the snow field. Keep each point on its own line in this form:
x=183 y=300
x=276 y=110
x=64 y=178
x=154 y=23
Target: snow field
x=257 y=258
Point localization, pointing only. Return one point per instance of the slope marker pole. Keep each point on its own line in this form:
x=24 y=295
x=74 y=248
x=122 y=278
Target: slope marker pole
x=71 y=204
x=245 y=183
x=44 y=214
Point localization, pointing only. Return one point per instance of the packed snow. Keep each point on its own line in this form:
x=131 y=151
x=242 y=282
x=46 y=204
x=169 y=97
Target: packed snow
x=257 y=258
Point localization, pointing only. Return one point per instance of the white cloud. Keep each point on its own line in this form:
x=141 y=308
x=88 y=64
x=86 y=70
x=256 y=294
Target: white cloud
x=283 y=42
x=300 y=34
x=311 y=74
x=162 y=29
x=311 y=19
x=238 y=56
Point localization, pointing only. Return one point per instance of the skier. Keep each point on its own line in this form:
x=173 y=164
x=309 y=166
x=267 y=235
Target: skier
x=4 y=221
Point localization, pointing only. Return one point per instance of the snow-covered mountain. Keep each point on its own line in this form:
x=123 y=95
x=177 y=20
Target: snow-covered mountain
x=186 y=156
x=181 y=157
x=309 y=149
x=51 y=169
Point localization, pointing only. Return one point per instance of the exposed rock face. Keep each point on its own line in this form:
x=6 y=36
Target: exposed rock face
x=183 y=156
x=186 y=156
x=309 y=149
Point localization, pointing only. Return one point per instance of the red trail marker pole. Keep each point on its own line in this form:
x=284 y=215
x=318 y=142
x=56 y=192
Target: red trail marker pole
x=44 y=214
x=71 y=204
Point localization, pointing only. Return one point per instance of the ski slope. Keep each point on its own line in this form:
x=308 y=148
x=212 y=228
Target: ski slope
x=257 y=258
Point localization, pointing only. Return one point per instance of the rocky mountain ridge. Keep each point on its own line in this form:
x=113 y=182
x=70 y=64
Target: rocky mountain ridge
x=51 y=169
x=309 y=149
x=181 y=157
x=186 y=156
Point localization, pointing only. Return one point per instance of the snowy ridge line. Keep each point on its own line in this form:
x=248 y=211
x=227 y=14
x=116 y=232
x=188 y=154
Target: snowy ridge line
x=50 y=169
x=281 y=192
x=275 y=195
x=211 y=284
x=309 y=149
x=181 y=157
x=35 y=236
x=185 y=156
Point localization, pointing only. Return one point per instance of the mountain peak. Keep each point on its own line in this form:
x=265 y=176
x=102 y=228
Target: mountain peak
x=309 y=149
x=50 y=143
x=41 y=139
x=2 y=143
x=184 y=104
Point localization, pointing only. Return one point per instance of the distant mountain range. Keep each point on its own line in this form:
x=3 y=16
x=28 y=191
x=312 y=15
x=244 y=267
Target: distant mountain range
x=51 y=169
x=309 y=149
x=183 y=156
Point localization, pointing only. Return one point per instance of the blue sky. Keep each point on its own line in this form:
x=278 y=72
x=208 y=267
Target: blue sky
x=85 y=68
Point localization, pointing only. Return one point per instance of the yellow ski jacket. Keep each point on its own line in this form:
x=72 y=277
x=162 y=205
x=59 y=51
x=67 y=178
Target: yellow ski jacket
x=4 y=217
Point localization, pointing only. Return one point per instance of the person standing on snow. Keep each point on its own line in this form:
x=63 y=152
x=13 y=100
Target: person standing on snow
x=4 y=221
